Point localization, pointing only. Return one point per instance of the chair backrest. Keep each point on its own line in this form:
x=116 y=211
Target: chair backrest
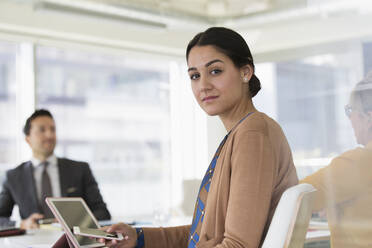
x=291 y=218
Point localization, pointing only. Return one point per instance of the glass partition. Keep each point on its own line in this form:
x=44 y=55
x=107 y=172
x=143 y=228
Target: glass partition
x=113 y=112
x=8 y=130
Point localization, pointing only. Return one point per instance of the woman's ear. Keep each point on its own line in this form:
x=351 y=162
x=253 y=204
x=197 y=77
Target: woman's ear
x=246 y=73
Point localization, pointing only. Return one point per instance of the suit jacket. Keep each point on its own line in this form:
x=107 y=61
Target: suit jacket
x=253 y=169
x=76 y=180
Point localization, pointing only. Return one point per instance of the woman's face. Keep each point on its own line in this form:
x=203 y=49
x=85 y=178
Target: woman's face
x=216 y=82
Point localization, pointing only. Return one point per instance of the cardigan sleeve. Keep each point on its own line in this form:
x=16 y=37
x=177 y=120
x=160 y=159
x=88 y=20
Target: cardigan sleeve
x=169 y=237
x=346 y=176
x=253 y=171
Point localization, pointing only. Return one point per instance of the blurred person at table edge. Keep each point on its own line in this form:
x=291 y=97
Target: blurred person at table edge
x=345 y=185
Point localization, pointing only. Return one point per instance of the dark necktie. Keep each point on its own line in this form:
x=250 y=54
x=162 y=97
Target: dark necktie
x=46 y=191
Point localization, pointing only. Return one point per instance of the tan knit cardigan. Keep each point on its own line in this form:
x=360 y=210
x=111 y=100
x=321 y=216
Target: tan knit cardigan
x=254 y=168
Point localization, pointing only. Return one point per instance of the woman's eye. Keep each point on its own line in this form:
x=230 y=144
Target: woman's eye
x=194 y=76
x=215 y=71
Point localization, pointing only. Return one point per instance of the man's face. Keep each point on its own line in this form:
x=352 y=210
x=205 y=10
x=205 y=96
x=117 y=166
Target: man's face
x=42 y=137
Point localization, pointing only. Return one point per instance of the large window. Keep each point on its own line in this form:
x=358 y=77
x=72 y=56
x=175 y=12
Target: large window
x=131 y=117
x=113 y=112
x=135 y=121
x=8 y=130
x=309 y=96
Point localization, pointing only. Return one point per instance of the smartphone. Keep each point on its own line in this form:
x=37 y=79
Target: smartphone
x=96 y=233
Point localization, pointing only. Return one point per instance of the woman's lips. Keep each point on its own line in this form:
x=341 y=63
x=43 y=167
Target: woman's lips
x=209 y=98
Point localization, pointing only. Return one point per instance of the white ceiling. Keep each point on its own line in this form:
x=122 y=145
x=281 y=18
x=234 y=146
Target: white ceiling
x=210 y=11
x=207 y=12
x=191 y=13
x=165 y=26
x=205 y=9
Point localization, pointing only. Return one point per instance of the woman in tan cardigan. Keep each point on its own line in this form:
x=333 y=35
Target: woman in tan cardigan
x=252 y=166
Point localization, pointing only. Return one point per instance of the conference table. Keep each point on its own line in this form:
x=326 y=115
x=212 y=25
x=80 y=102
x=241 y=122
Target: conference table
x=46 y=237
x=48 y=234
x=38 y=238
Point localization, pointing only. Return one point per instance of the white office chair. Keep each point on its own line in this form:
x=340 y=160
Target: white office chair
x=291 y=218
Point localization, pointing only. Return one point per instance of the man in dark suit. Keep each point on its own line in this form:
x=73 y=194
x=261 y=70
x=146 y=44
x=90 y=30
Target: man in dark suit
x=46 y=175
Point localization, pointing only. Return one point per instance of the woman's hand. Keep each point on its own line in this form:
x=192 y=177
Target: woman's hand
x=129 y=235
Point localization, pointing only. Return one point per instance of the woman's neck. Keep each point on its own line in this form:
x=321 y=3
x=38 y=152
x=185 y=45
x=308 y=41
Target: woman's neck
x=231 y=118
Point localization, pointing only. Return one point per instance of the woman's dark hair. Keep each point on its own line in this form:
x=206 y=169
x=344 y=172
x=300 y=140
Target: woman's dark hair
x=37 y=113
x=232 y=45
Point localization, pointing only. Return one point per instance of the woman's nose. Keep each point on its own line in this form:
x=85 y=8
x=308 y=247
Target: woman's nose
x=205 y=83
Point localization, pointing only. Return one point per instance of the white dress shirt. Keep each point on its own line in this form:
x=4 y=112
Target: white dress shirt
x=53 y=172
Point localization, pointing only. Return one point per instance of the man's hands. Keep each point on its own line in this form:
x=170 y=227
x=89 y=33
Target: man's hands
x=31 y=221
x=129 y=234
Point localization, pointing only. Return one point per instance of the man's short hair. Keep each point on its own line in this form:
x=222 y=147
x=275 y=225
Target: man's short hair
x=37 y=113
